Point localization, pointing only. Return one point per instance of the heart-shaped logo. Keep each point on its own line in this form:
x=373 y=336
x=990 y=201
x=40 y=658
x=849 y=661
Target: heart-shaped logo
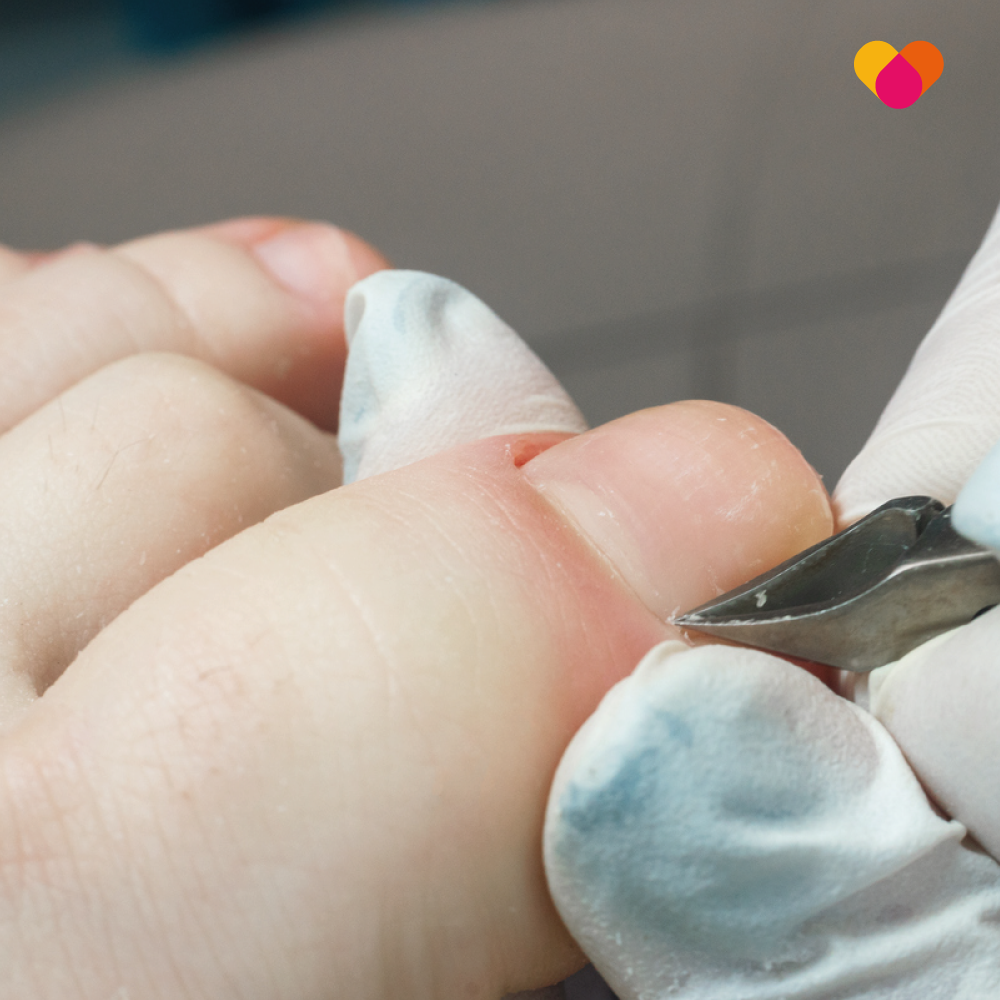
x=898 y=79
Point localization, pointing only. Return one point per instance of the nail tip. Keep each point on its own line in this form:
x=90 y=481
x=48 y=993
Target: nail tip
x=311 y=260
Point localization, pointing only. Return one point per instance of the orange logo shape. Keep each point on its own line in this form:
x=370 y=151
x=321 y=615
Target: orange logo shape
x=898 y=79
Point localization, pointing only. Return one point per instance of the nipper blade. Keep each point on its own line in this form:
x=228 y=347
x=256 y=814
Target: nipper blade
x=865 y=596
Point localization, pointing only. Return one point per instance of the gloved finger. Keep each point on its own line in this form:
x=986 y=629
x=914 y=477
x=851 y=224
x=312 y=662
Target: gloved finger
x=120 y=481
x=342 y=724
x=977 y=510
x=431 y=366
x=724 y=827
x=262 y=300
x=945 y=415
x=940 y=703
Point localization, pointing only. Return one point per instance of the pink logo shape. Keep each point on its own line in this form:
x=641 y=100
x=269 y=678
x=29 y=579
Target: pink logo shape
x=899 y=85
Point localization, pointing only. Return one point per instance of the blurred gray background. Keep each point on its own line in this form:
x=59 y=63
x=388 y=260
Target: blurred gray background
x=667 y=198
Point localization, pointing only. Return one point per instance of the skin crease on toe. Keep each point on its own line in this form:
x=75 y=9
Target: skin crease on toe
x=260 y=299
x=150 y=456
x=333 y=736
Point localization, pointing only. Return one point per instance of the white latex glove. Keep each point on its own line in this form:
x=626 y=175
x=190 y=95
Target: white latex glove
x=942 y=702
x=430 y=366
x=726 y=828
x=945 y=415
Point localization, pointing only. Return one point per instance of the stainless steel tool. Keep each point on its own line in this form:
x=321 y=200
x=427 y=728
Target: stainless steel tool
x=865 y=596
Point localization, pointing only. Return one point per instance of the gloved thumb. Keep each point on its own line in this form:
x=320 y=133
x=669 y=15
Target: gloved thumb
x=940 y=701
x=945 y=414
x=431 y=366
x=724 y=827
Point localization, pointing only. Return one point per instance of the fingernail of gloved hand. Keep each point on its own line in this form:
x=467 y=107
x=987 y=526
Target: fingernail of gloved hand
x=430 y=366
x=976 y=513
x=725 y=827
x=310 y=259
